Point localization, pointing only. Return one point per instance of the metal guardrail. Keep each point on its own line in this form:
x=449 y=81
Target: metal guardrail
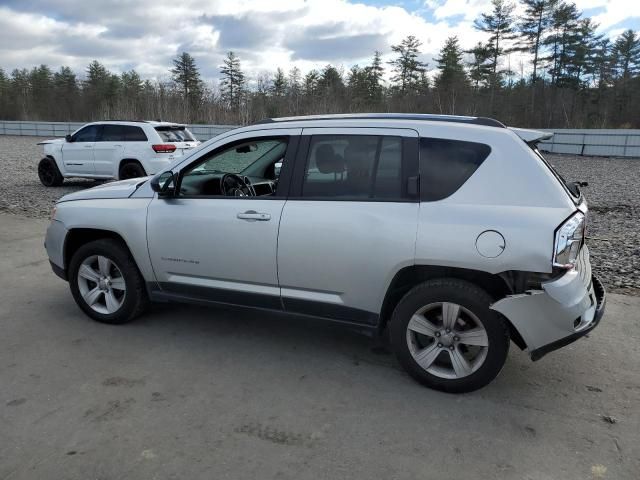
x=594 y=142
x=598 y=142
x=60 y=129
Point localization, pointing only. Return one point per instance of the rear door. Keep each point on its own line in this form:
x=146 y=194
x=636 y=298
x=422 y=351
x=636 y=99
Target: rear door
x=77 y=155
x=108 y=149
x=350 y=222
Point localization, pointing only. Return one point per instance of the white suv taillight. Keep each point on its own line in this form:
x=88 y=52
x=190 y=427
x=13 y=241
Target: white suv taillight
x=569 y=239
x=164 y=148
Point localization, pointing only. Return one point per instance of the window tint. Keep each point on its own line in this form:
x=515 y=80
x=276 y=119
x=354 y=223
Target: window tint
x=122 y=133
x=445 y=165
x=134 y=134
x=354 y=167
x=175 y=134
x=87 y=134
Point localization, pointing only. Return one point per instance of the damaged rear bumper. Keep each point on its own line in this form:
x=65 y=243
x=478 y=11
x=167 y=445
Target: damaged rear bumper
x=563 y=311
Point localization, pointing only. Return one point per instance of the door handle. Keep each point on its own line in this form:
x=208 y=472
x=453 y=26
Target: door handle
x=88 y=146
x=252 y=216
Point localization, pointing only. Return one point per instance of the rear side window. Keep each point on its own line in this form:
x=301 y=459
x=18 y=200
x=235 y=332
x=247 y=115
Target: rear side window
x=123 y=133
x=175 y=134
x=356 y=167
x=445 y=165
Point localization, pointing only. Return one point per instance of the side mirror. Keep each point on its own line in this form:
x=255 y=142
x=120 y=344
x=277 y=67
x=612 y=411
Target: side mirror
x=164 y=184
x=68 y=138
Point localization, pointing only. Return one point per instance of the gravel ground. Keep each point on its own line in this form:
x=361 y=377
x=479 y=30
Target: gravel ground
x=613 y=194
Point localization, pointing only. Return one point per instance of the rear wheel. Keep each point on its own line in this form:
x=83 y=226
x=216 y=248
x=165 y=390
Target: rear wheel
x=131 y=169
x=446 y=336
x=49 y=173
x=105 y=282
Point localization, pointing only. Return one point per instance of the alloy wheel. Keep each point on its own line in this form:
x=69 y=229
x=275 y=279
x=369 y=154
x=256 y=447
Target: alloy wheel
x=447 y=340
x=101 y=284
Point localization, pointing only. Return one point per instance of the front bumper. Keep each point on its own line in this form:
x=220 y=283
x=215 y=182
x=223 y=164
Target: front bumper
x=54 y=245
x=561 y=312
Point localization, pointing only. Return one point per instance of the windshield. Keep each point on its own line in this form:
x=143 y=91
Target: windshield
x=175 y=134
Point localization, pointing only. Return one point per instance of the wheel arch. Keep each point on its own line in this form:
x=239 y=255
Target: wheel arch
x=77 y=237
x=126 y=160
x=408 y=277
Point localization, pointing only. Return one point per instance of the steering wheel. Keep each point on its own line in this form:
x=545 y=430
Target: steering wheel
x=233 y=185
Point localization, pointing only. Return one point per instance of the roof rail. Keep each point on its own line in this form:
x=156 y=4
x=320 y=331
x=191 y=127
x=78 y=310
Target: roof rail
x=490 y=122
x=121 y=120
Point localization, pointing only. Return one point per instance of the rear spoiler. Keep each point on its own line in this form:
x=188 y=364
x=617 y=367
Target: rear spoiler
x=531 y=136
x=160 y=128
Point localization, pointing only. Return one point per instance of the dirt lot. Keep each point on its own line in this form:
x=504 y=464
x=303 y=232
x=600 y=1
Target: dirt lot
x=190 y=393
x=613 y=194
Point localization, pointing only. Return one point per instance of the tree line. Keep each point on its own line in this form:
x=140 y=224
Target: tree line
x=574 y=77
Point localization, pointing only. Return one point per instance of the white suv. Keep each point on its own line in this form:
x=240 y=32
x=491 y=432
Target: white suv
x=451 y=234
x=114 y=150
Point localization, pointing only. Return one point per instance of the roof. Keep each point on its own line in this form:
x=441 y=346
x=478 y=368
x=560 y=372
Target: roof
x=391 y=116
x=154 y=123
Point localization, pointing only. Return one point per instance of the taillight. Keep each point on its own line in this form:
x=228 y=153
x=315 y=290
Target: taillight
x=164 y=148
x=569 y=239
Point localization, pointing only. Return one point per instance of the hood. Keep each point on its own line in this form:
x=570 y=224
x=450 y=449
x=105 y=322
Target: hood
x=121 y=189
x=53 y=140
x=531 y=136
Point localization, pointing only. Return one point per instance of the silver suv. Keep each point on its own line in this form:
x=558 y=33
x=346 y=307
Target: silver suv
x=451 y=235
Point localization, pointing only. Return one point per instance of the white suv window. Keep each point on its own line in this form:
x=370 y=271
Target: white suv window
x=87 y=134
x=123 y=133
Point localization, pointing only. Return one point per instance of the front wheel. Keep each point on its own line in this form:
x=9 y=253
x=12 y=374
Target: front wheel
x=446 y=336
x=105 y=282
x=48 y=173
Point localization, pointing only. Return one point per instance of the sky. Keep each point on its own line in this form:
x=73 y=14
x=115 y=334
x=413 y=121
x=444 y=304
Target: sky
x=146 y=34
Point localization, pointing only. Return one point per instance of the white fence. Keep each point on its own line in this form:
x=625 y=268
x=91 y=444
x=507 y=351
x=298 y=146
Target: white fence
x=618 y=143
x=598 y=142
x=60 y=129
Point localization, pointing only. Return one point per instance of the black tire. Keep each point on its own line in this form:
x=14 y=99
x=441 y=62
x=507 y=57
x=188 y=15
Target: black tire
x=131 y=169
x=135 y=300
x=49 y=173
x=466 y=295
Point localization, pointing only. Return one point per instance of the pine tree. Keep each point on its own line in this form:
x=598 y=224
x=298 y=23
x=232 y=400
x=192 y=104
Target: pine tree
x=499 y=24
x=65 y=87
x=537 y=18
x=375 y=72
x=279 y=85
x=626 y=51
x=563 y=35
x=406 y=67
x=186 y=77
x=451 y=80
x=232 y=83
x=479 y=66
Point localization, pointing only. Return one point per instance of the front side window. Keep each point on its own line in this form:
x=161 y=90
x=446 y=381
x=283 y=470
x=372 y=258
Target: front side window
x=445 y=165
x=357 y=167
x=87 y=134
x=251 y=165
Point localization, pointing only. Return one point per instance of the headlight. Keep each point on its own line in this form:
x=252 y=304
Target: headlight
x=569 y=239
x=52 y=215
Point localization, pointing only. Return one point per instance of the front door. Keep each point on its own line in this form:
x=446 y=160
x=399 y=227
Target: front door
x=77 y=155
x=219 y=242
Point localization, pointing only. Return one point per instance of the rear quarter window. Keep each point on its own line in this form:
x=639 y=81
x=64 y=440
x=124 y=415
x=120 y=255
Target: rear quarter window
x=175 y=134
x=445 y=165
